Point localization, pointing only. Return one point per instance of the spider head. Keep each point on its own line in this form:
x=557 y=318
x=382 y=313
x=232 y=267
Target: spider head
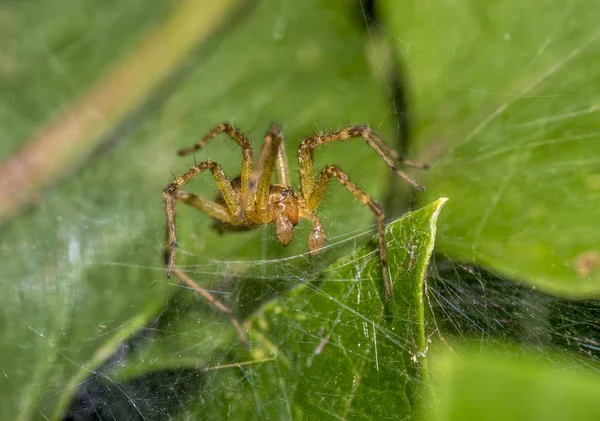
x=285 y=208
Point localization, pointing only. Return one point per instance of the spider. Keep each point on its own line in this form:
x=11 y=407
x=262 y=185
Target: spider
x=251 y=199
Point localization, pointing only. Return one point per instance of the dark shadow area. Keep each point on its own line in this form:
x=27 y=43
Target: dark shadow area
x=468 y=301
x=157 y=395
x=400 y=197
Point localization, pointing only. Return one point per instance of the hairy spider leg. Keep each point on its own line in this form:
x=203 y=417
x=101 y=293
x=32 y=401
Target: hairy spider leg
x=170 y=198
x=307 y=181
x=214 y=209
x=171 y=195
x=273 y=140
x=211 y=299
x=241 y=140
x=394 y=153
x=319 y=192
x=283 y=171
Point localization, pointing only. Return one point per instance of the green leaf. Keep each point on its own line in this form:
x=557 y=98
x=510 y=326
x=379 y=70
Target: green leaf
x=509 y=384
x=505 y=95
x=331 y=348
x=44 y=71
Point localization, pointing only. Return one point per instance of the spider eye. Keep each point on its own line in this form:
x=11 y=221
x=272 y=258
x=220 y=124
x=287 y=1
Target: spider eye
x=288 y=191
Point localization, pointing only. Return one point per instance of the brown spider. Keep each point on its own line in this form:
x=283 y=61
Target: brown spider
x=251 y=200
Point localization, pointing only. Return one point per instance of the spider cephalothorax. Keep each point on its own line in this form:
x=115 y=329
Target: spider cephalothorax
x=250 y=200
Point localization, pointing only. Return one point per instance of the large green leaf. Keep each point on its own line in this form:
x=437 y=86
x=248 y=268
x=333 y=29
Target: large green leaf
x=506 y=95
x=333 y=347
x=509 y=384
x=83 y=270
x=49 y=58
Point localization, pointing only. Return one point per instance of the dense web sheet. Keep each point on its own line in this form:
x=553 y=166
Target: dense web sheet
x=333 y=327
x=183 y=353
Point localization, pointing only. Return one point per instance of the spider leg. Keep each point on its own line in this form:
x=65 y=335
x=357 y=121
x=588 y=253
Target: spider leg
x=307 y=182
x=240 y=140
x=319 y=192
x=214 y=209
x=394 y=153
x=211 y=299
x=283 y=171
x=272 y=153
x=171 y=195
x=283 y=168
x=170 y=198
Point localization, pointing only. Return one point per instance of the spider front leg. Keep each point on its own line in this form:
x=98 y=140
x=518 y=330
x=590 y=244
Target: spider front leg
x=270 y=155
x=283 y=171
x=393 y=152
x=241 y=140
x=171 y=195
x=305 y=158
x=319 y=192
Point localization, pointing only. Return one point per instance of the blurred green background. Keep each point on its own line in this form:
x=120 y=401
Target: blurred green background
x=501 y=98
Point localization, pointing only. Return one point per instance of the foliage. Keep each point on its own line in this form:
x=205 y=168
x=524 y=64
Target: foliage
x=514 y=107
x=500 y=98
